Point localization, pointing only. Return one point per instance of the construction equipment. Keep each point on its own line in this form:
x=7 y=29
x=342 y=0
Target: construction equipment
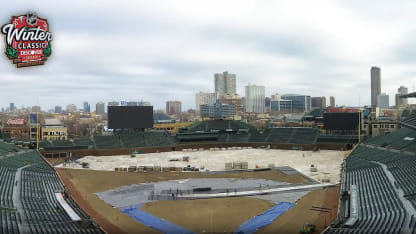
x=308 y=228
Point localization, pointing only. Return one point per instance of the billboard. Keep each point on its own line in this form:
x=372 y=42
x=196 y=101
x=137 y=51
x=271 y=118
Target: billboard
x=341 y=109
x=16 y=122
x=341 y=120
x=122 y=117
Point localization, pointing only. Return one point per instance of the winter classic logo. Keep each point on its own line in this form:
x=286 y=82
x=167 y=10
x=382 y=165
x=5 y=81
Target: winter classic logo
x=28 y=40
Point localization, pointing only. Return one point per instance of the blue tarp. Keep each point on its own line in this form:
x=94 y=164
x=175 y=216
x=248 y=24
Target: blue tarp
x=153 y=221
x=260 y=221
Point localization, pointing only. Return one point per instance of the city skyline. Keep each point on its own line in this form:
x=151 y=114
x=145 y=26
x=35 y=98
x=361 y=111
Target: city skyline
x=331 y=43
x=198 y=100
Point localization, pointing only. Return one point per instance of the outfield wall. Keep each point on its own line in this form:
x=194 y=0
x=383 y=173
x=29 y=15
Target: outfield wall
x=109 y=152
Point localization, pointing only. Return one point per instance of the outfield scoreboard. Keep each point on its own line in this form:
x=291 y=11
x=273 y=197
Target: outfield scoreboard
x=130 y=117
x=341 y=120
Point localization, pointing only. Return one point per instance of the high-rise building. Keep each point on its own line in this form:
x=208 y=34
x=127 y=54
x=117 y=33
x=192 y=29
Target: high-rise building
x=35 y=109
x=255 y=96
x=217 y=110
x=173 y=107
x=232 y=99
x=375 y=85
x=225 y=83
x=275 y=97
x=401 y=101
x=86 y=107
x=58 y=109
x=383 y=101
x=144 y=103
x=132 y=103
x=332 y=101
x=277 y=104
x=113 y=103
x=402 y=90
x=316 y=102
x=202 y=98
x=11 y=109
x=100 y=108
x=71 y=108
x=267 y=101
x=300 y=103
x=323 y=102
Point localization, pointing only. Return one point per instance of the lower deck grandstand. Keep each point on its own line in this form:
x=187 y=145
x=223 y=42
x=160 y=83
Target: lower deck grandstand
x=378 y=189
x=29 y=191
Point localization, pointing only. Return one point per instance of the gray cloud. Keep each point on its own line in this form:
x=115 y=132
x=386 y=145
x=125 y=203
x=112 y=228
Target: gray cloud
x=158 y=51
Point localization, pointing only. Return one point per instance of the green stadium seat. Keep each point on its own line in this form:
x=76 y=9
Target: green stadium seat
x=39 y=184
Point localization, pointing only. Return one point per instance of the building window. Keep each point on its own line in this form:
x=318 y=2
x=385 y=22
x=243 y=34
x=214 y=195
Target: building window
x=392 y=126
x=375 y=126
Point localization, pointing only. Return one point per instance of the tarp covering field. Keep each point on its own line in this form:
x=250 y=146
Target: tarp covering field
x=260 y=221
x=142 y=193
x=327 y=162
x=153 y=221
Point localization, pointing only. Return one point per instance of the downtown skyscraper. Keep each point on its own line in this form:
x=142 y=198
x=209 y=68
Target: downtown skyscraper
x=225 y=83
x=255 y=96
x=375 y=85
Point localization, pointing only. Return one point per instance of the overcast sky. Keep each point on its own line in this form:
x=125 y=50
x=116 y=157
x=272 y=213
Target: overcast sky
x=169 y=50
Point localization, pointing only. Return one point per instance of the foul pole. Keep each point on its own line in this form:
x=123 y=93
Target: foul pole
x=359 y=126
x=37 y=131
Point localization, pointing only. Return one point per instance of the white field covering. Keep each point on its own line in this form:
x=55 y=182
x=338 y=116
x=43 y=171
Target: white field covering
x=328 y=162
